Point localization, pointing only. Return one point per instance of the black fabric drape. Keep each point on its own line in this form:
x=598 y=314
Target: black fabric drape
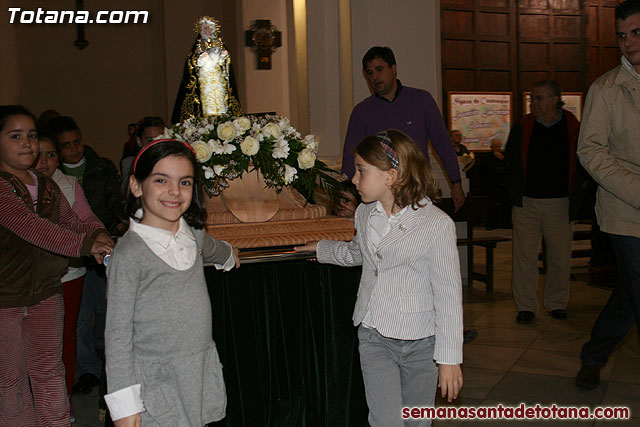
x=287 y=344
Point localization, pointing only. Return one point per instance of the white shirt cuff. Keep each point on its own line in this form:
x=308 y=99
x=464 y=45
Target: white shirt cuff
x=231 y=261
x=124 y=402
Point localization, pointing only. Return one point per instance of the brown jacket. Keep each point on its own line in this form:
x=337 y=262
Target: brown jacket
x=34 y=244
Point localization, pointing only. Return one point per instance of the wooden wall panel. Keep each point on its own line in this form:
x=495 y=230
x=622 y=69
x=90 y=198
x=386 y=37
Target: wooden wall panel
x=592 y=23
x=534 y=26
x=457 y=22
x=528 y=78
x=456 y=3
x=494 y=3
x=565 y=4
x=567 y=26
x=534 y=56
x=533 y=4
x=493 y=24
x=495 y=80
x=458 y=53
x=495 y=54
x=569 y=81
x=607 y=24
x=603 y=52
x=568 y=56
x=458 y=80
x=609 y=58
x=507 y=45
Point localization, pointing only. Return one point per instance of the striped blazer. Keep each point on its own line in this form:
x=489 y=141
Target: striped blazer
x=411 y=284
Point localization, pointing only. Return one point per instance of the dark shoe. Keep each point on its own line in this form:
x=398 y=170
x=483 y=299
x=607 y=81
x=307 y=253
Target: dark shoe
x=469 y=335
x=559 y=314
x=588 y=377
x=86 y=383
x=525 y=317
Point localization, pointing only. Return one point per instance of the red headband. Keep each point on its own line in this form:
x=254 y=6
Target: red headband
x=151 y=144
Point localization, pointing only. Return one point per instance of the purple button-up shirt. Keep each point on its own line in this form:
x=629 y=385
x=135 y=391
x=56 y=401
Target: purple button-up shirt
x=412 y=111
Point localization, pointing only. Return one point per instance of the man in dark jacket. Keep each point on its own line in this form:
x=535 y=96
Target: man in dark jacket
x=101 y=184
x=541 y=162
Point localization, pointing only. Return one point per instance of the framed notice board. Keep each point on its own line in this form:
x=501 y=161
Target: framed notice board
x=572 y=102
x=481 y=117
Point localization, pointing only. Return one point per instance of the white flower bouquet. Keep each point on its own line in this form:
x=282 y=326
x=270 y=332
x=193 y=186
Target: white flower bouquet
x=227 y=146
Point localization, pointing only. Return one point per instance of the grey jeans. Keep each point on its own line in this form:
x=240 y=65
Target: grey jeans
x=397 y=373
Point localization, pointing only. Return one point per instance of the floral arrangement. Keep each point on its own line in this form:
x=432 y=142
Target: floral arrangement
x=227 y=146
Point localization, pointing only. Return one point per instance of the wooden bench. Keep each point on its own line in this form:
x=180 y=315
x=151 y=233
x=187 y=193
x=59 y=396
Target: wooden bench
x=474 y=213
x=489 y=244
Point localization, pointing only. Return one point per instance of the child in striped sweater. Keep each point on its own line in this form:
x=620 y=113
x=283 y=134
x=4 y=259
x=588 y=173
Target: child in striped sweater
x=38 y=231
x=409 y=305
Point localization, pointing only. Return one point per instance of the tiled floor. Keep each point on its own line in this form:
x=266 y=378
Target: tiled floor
x=511 y=364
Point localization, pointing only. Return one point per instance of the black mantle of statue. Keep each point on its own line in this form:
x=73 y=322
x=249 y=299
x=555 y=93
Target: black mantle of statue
x=287 y=344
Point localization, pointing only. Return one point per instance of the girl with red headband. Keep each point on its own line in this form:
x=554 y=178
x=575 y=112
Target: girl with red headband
x=162 y=365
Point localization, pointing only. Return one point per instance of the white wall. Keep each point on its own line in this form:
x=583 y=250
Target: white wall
x=265 y=90
x=127 y=71
x=411 y=28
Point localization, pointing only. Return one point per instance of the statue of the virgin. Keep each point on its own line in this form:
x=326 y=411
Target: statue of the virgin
x=207 y=87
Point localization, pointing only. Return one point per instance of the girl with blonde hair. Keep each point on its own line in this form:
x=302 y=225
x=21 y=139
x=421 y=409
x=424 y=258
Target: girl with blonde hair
x=409 y=306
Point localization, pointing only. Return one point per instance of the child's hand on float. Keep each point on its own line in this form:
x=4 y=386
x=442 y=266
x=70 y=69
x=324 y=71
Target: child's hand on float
x=100 y=249
x=450 y=381
x=134 y=420
x=308 y=247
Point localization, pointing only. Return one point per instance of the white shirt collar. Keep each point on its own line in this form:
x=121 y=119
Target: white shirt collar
x=380 y=209
x=626 y=64
x=158 y=235
x=75 y=165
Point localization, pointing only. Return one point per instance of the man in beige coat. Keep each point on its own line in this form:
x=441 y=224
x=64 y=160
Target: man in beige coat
x=609 y=149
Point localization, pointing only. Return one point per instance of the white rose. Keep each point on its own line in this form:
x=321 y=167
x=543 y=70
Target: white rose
x=306 y=158
x=289 y=174
x=249 y=146
x=208 y=172
x=280 y=149
x=283 y=123
x=272 y=129
x=203 y=151
x=311 y=143
x=242 y=123
x=226 y=131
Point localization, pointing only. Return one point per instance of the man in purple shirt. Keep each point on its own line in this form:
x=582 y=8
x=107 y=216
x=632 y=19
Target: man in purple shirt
x=393 y=106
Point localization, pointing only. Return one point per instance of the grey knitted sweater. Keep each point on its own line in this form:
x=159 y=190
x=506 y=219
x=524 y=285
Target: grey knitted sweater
x=159 y=333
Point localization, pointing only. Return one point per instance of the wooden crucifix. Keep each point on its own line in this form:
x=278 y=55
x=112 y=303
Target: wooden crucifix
x=264 y=39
